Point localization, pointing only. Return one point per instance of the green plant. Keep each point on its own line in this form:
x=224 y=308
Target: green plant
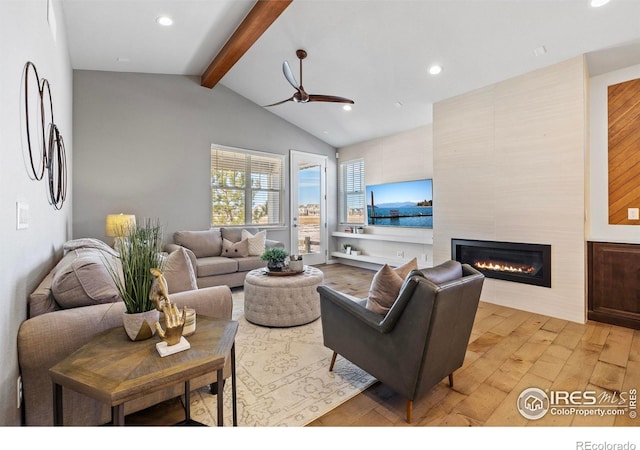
x=140 y=251
x=346 y=246
x=274 y=254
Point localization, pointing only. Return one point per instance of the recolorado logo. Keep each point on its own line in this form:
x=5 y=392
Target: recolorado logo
x=534 y=403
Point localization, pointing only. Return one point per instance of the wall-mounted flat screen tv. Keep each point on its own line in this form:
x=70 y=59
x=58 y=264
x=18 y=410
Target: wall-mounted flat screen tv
x=401 y=204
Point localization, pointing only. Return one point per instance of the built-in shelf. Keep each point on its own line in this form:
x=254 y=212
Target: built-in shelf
x=394 y=262
x=385 y=237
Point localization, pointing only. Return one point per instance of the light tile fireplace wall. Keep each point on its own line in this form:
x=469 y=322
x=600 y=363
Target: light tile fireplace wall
x=509 y=165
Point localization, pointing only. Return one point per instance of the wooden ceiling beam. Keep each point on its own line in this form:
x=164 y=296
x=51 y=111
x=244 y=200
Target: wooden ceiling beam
x=259 y=19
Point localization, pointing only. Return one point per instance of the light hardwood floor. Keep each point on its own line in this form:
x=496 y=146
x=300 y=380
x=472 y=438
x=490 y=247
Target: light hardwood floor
x=509 y=351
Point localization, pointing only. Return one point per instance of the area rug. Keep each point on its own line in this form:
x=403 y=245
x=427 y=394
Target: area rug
x=283 y=377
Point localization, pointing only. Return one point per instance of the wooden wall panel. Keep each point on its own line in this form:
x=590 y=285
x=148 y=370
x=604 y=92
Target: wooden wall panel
x=624 y=150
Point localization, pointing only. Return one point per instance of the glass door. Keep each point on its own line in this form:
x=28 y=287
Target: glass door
x=308 y=207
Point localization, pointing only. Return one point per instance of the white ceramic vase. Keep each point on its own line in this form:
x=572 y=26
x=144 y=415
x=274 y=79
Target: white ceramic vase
x=140 y=326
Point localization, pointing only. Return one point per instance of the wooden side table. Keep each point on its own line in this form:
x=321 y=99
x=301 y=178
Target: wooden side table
x=113 y=369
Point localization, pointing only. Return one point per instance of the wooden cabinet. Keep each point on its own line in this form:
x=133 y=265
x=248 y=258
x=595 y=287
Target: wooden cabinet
x=614 y=283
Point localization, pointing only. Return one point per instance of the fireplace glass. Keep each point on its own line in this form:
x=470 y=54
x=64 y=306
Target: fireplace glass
x=510 y=261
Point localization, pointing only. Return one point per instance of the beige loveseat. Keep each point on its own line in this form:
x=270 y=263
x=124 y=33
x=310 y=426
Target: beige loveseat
x=78 y=300
x=223 y=255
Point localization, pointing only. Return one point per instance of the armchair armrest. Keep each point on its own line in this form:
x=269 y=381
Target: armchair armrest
x=331 y=298
x=213 y=301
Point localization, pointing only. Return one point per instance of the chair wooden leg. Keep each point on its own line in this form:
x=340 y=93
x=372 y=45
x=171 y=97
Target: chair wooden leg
x=409 y=411
x=333 y=361
x=451 y=379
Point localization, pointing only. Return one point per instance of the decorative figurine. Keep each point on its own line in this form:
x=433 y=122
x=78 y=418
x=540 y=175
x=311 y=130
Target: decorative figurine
x=173 y=321
x=159 y=292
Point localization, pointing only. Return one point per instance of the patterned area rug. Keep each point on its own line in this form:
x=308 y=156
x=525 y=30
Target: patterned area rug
x=283 y=377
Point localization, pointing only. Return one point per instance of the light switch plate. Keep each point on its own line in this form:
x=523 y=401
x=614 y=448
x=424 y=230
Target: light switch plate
x=22 y=215
x=633 y=213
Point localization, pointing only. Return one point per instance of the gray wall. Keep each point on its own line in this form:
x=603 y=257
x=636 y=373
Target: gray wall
x=27 y=254
x=143 y=147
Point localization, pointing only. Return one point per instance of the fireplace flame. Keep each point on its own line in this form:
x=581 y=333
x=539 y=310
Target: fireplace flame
x=503 y=267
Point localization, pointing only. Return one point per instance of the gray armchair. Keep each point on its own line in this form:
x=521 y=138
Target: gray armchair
x=421 y=340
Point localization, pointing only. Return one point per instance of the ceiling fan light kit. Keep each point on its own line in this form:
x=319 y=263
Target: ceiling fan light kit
x=301 y=96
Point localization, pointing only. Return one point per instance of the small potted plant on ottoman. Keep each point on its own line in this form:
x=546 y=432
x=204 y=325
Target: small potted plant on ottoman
x=275 y=258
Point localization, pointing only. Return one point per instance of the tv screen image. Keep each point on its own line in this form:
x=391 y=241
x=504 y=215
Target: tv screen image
x=401 y=204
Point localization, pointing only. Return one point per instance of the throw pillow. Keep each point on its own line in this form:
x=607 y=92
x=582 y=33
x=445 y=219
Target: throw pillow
x=384 y=290
x=256 y=242
x=179 y=273
x=404 y=269
x=76 y=244
x=235 y=250
x=82 y=279
x=386 y=285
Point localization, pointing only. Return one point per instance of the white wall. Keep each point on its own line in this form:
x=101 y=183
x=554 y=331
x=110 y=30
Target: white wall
x=509 y=164
x=598 y=206
x=143 y=147
x=403 y=156
x=27 y=254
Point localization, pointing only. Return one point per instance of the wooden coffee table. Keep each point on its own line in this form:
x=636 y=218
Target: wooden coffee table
x=113 y=369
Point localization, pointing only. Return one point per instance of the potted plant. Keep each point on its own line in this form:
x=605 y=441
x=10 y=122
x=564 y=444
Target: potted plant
x=139 y=252
x=275 y=258
x=347 y=248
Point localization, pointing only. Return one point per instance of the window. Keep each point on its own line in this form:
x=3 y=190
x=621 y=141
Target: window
x=352 y=201
x=246 y=187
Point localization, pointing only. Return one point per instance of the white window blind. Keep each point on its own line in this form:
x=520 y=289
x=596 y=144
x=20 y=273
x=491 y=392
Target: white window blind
x=246 y=187
x=352 y=192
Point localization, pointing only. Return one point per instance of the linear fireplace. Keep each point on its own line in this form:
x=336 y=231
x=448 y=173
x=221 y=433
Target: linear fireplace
x=511 y=261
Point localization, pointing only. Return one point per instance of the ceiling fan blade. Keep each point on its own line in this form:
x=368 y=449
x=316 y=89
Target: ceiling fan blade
x=279 y=103
x=289 y=75
x=329 y=98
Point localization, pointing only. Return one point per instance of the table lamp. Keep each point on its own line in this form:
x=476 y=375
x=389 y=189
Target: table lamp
x=119 y=225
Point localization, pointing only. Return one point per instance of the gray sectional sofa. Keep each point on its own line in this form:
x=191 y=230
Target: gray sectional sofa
x=220 y=256
x=76 y=301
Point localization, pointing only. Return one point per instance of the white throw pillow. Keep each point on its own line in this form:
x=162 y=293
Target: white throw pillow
x=256 y=242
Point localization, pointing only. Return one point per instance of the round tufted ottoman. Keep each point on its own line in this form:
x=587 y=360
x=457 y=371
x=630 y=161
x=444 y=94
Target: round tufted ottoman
x=282 y=301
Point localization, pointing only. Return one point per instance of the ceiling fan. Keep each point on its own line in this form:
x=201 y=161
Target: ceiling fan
x=301 y=96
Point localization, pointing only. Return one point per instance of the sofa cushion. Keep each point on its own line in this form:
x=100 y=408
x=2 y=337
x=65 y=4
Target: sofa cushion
x=82 y=278
x=256 y=241
x=386 y=285
x=250 y=263
x=235 y=234
x=179 y=272
x=201 y=243
x=216 y=265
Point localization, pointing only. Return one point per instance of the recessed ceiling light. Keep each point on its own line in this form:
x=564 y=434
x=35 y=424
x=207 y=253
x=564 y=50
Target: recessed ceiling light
x=347 y=107
x=598 y=3
x=435 y=69
x=165 y=21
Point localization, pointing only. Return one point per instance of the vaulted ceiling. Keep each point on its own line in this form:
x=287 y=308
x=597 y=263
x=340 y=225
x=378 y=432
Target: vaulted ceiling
x=376 y=52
